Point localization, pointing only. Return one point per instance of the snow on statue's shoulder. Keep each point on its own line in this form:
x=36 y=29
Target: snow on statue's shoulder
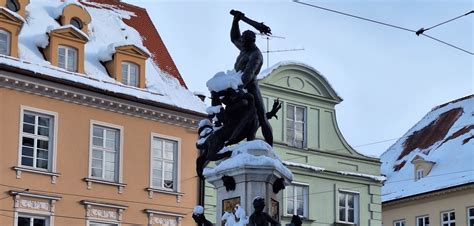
x=256 y=153
x=198 y=210
x=224 y=80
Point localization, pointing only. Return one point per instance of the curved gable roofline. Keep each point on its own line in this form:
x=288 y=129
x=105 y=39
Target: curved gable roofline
x=286 y=65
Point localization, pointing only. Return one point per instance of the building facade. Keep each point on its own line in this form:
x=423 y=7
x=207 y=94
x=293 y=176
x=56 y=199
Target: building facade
x=430 y=175
x=91 y=131
x=333 y=184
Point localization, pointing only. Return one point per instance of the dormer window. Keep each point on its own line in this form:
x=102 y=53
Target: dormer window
x=4 y=42
x=13 y=5
x=76 y=22
x=67 y=58
x=419 y=174
x=130 y=74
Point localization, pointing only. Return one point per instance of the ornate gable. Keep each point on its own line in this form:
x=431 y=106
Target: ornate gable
x=6 y=16
x=133 y=50
x=302 y=79
x=71 y=33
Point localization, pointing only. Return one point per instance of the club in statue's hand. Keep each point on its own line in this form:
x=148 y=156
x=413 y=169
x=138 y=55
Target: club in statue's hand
x=262 y=28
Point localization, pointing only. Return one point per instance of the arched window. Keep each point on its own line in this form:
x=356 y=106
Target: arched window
x=67 y=58
x=76 y=22
x=5 y=38
x=13 y=5
x=130 y=74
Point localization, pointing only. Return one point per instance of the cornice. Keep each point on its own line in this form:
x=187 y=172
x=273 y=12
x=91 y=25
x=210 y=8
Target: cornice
x=430 y=194
x=87 y=98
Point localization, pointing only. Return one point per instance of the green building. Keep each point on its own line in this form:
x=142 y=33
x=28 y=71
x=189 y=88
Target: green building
x=333 y=184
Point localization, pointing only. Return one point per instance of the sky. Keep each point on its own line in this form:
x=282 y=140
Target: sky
x=389 y=78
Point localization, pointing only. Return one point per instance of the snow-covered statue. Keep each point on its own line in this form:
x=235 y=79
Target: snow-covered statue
x=234 y=119
x=238 y=218
x=199 y=218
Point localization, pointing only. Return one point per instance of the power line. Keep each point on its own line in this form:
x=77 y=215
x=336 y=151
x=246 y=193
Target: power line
x=423 y=30
x=354 y=16
x=389 y=25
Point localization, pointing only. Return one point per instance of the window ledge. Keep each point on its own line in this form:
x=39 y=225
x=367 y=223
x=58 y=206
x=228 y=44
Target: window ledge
x=89 y=181
x=305 y=220
x=157 y=190
x=20 y=169
x=341 y=223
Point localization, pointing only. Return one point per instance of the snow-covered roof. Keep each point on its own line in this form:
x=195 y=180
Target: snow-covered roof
x=106 y=29
x=444 y=136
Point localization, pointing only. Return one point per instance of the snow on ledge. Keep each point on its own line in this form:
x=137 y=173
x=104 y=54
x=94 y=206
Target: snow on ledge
x=107 y=53
x=242 y=157
x=305 y=166
x=373 y=177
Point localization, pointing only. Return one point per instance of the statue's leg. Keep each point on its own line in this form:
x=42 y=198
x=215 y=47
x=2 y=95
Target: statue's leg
x=253 y=89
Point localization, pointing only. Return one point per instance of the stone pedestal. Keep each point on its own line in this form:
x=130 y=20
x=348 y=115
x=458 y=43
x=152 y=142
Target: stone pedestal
x=254 y=171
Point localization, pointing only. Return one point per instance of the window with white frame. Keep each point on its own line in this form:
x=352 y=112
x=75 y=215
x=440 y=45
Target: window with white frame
x=297 y=200
x=423 y=221
x=348 y=207
x=296 y=125
x=67 y=58
x=5 y=38
x=470 y=216
x=164 y=155
x=105 y=153
x=448 y=218
x=37 y=140
x=130 y=74
x=30 y=220
x=399 y=223
x=419 y=174
x=101 y=224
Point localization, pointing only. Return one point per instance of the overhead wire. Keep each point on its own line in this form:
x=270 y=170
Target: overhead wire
x=391 y=25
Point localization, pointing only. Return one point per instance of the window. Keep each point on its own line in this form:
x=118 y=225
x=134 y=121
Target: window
x=4 y=42
x=470 y=216
x=76 y=22
x=25 y=220
x=13 y=5
x=36 y=140
x=105 y=153
x=448 y=218
x=423 y=221
x=130 y=74
x=67 y=58
x=297 y=200
x=100 y=224
x=348 y=207
x=295 y=125
x=164 y=155
x=419 y=174
x=399 y=223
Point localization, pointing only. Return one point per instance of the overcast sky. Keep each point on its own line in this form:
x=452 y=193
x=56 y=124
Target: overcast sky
x=389 y=79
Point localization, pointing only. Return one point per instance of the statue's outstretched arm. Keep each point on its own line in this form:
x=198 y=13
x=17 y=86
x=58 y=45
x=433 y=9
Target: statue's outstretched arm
x=235 y=31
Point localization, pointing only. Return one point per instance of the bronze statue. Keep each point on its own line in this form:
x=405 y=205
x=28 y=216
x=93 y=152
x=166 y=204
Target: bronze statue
x=260 y=218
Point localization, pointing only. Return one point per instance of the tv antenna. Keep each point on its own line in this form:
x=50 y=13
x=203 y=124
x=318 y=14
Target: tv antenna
x=268 y=51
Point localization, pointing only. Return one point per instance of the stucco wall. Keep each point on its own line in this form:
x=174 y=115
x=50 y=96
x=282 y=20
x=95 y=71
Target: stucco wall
x=458 y=201
x=73 y=161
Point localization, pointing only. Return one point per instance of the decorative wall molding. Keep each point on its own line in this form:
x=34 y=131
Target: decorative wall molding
x=101 y=102
x=159 y=218
x=19 y=170
x=27 y=201
x=103 y=211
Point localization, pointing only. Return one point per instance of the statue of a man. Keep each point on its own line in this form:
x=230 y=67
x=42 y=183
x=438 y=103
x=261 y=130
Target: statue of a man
x=249 y=62
x=260 y=218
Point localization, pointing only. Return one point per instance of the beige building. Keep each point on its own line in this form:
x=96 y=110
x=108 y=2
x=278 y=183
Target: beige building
x=96 y=126
x=430 y=170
